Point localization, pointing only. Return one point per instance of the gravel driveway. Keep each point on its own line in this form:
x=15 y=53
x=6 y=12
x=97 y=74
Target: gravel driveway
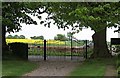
x=54 y=68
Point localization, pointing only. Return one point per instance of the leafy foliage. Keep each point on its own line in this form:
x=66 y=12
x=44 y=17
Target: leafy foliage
x=69 y=35
x=15 y=37
x=37 y=37
x=14 y=13
x=60 y=37
x=78 y=15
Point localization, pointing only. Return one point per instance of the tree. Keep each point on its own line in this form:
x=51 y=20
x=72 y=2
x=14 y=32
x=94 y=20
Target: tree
x=60 y=37
x=15 y=37
x=9 y=37
x=97 y=16
x=38 y=37
x=21 y=37
x=69 y=35
x=41 y=37
x=14 y=13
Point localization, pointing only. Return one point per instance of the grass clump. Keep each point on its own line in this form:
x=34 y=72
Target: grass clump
x=17 y=67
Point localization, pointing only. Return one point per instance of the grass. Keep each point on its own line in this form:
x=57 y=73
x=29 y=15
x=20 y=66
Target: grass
x=17 y=67
x=92 y=67
x=118 y=65
x=0 y=68
x=118 y=71
x=53 y=52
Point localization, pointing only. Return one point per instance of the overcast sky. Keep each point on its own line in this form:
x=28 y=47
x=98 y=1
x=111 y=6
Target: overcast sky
x=49 y=33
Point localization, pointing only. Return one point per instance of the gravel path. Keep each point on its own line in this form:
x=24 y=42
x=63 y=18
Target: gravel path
x=54 y=68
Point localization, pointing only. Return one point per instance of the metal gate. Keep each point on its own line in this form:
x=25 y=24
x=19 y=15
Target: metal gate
x=72 y=49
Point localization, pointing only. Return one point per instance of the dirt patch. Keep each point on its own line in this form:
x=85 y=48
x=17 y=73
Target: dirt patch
x=54 y=68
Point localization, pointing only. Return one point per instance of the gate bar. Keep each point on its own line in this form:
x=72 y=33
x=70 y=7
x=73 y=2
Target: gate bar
x=44 y=49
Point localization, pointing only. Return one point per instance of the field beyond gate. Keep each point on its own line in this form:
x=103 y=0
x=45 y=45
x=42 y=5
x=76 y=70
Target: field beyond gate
x=54 y=50
x=47 y=51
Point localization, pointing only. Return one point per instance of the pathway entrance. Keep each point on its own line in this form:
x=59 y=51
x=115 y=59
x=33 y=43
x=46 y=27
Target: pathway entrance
x=64 y=68
x=54 y=68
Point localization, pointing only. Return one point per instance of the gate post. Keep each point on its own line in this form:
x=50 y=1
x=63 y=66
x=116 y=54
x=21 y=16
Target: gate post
x=44 y=49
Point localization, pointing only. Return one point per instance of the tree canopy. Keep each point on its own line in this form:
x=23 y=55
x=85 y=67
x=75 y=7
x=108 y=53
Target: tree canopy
x=69 y=34
x=60 y=37
x=14 y=13
x=77 y=15
x=74 y=14
x=15 y=37
x=95 y=15
x=38 y=37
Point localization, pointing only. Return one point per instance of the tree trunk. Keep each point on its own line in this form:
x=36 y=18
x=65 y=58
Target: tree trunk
x=4 y=45
x=100 y=45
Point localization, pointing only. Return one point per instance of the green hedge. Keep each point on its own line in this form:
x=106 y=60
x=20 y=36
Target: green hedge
x=19 y=50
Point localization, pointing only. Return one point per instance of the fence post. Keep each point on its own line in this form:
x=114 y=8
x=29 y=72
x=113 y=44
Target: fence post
x=71 y=48
x=86 y=49
x=44 y=49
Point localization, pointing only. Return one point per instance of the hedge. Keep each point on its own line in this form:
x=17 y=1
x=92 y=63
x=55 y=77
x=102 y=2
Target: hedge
x=19 y=49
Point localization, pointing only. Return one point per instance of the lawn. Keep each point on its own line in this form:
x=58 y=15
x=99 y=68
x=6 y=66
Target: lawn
x=93 y=67
x=0 y=68
x=17 y=67
x=118 y=71
x=118 y=65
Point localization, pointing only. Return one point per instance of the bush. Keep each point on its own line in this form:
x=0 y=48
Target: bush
x=19 y=50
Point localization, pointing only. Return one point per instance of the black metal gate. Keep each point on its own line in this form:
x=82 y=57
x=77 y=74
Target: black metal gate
x=72 y=49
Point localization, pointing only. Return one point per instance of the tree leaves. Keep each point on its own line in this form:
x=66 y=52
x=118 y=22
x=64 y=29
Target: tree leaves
x=95 y=15
x=65 y=15
x=15 y=13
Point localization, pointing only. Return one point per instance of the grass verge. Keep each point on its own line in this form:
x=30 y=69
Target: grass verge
x=118 y=71
x=118 y=65
x=93 y=68
x=17 y=67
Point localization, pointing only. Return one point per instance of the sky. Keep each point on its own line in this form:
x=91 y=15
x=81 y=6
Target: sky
x=49 y=33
